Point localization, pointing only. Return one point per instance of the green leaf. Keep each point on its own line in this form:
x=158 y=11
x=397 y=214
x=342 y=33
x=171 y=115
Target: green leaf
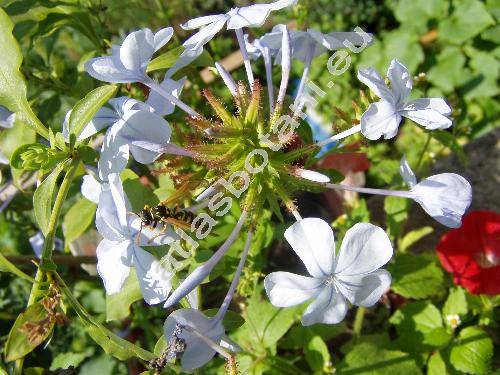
x=420 y=327
x=115 y=345
x=473 y=351
x=12 y=85
x=137 y=194
x=416 y=276
x=371 y=358
x=438 y=365
x=6 y=266
x=42 y=199
x=118 y=305
x=84 y=111
x=397 y=213
x=18 y=344
x=317 y=354
x=78 y=218
x=11 y=139
x=413 y=237
x=165 y=60
x=403 y=44
x=417 y=14
x=449 y=71
x=456 y=303
x=65 y=360
x=264 y=325
x=449 y=140
x=468 y=19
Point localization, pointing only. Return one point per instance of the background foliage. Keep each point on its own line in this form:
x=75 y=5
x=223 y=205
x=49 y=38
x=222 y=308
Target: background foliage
x=455 y=43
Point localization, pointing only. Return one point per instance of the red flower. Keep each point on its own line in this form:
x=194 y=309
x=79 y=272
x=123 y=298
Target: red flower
x=472 y=253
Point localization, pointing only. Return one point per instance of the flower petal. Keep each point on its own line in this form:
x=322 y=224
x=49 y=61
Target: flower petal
x=445 y=197
x=196 y=23
x=110 y=69
x=6 y=118
x=205 y=35
x=312 y=240
x=162 y=106
x=229 y=344
x=330 y=307
x=137 y=49
x=428 y=118
x=401 y=80
x=437 y=104
x=376 y=83
x=162 y=37
x=155 y=281
x=286 y=289
x=197 y=352
x=144 y=126
x=406 y=172
x=104 y=118
x=115 y=153
x=380 y=119
x=113 y=264
x=107 y=219
x=364 y=290
x=312 y=175
x=365 y=248
x=91 y=188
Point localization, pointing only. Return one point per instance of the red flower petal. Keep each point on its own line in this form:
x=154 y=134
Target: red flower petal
x=472 y=253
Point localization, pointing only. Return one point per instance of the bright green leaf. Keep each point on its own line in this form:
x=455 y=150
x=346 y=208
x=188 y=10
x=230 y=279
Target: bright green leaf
x=78 y=218
x=413 y=237
x=6 y=266
x=456 y=303
x=118 y=304
x=416 y=276
x=473 y=351
x=165 y=60
x=42 y=199
x=65 y=360
x=12 y=85
x=468 y=19
x=371 y=358
x=84 y=111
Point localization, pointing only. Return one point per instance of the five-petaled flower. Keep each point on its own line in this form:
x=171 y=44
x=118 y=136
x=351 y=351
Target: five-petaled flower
x=352 y=274
x=383 y=117
x=131 y=123
x=120 y=249
x=472 y=253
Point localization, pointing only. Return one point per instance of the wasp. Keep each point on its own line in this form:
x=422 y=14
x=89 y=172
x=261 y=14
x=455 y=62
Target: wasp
x=164 y=213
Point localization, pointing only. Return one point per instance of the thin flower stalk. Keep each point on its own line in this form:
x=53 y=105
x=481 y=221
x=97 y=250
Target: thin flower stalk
x=199 y=274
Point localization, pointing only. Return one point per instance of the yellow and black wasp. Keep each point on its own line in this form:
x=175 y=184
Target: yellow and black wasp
x=165 y=213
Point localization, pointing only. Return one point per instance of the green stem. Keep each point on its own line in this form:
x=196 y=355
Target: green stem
x=358 y=321
x=424 y=150
x=49 y=241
